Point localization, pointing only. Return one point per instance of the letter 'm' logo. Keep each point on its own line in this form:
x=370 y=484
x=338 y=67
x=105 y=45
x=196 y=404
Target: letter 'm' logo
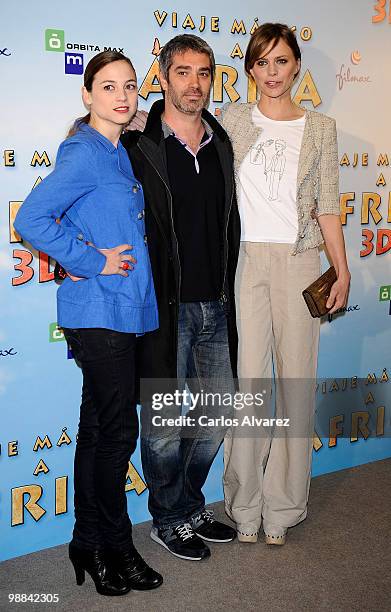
x=74 y=63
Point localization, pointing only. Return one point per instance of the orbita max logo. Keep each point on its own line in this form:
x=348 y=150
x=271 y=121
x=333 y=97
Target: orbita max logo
x=73 y=58
x=55 y=41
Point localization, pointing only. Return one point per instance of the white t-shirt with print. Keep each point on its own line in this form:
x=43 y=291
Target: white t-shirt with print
x=268 y=181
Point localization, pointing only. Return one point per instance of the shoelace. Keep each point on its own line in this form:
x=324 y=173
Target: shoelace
x=185 y=531
x=207 y=516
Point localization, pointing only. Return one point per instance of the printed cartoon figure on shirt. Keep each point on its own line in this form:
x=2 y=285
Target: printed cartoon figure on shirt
x=274 y=166
x=275 y=169
x=258 y=155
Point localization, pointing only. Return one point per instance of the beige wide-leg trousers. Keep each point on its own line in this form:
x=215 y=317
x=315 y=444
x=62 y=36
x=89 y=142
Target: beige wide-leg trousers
x=267 y=474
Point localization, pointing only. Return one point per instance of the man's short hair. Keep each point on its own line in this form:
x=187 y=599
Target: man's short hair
x=181 y=44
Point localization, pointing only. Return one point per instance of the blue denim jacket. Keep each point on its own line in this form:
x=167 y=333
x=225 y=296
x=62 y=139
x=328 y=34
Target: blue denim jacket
x=94 y=192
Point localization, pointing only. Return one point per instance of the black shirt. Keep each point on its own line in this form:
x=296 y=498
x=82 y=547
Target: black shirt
x=197 y=187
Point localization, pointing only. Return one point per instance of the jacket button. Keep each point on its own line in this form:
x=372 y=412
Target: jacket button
x=145 y=240
x=140 y=215
x=171 y=301
x=135 y=188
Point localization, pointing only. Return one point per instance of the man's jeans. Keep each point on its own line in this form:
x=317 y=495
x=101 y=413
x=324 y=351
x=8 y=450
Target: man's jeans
x=176 y=459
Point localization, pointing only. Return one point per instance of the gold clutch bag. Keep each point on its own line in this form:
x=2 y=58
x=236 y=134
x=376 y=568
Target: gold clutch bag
x=317 y=294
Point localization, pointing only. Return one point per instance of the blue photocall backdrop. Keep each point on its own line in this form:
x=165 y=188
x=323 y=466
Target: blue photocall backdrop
x=43 y=51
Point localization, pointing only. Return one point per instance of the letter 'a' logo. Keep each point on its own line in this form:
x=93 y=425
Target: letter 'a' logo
x=55 y=333
x=54 y=40
x=74 y=63
x=385 y=293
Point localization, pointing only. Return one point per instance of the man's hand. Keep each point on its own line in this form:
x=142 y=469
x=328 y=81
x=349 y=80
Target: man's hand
x=138 y=122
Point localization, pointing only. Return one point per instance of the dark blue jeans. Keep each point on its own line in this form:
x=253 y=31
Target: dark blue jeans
x=107 y=436
x=177 y=458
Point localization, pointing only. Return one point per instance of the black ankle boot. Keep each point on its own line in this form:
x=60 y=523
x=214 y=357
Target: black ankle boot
x=92 y=561
x=130 y=565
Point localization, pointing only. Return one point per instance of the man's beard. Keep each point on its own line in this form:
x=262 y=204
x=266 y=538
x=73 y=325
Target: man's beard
x=186 y=106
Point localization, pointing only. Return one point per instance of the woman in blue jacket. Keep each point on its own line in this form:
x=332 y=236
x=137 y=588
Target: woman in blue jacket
x=88 y=214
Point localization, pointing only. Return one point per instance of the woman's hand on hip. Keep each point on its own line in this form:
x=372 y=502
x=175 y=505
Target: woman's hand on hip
x=116 y=263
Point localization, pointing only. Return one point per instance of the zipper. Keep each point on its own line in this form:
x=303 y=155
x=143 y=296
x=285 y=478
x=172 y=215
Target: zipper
x=223 y=297
x=174 y=234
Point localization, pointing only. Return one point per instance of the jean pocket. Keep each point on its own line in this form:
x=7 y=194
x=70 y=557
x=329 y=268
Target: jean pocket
x=121 y=344
x=224 y=305
x=74 y=341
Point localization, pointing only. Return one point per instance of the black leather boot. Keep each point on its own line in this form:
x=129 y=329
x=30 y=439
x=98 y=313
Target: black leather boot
x=106 y=581
x=130 y=565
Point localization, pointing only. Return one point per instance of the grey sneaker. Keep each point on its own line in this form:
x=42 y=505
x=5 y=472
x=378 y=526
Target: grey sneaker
x=181 y=541
x=206 y=526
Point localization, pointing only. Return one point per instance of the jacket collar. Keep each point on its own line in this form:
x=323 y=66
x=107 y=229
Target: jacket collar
x=122 y=159
x=153 y=128
x=87 y=129
x=152 y=145
x=309 y=151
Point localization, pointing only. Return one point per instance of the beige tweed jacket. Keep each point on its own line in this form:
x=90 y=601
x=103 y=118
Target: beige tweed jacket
x=317 y=176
